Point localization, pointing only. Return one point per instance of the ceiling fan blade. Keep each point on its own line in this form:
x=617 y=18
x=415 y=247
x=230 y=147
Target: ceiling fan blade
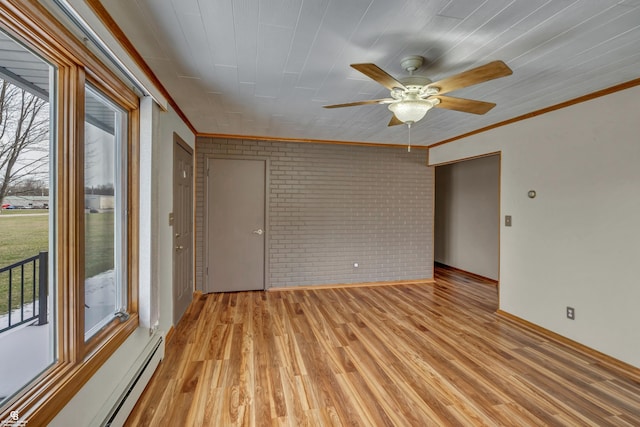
x=490 y=71
x=353 y=104
x=464 y=105
x=378 y=74
x=395 y=121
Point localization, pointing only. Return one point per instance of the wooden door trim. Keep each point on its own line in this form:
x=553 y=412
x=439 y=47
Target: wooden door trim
x=267 y=236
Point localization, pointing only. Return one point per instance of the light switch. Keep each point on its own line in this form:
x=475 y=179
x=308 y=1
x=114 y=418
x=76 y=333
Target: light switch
x=507 y=220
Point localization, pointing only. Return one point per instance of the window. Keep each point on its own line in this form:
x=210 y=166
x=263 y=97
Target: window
x=81 y=178
x=105 y=198
x=28 y=326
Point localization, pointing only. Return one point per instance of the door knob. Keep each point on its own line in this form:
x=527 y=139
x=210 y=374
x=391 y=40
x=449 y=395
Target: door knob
x=179 y=248
x=259 y=231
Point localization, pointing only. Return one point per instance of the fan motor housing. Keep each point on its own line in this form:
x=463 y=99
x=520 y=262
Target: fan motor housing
x=414 y=85
x=417 y=81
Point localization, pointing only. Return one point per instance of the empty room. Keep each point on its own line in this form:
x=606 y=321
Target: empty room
x=319 y=212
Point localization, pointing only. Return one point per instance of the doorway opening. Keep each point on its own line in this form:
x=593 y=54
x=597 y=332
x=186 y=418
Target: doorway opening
x=467 y=216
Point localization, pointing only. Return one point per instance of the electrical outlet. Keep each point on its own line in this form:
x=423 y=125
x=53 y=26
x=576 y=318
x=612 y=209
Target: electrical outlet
x=571 y=313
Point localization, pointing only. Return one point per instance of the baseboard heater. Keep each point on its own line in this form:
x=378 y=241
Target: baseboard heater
x=126 y=401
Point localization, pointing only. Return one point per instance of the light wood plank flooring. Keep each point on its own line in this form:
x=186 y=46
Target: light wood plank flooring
x=409 y=355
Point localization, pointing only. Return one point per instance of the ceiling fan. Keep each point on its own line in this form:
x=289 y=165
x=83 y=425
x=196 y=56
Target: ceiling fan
x=412 y=96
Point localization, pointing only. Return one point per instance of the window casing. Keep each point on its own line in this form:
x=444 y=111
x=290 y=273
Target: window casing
x=79 y=355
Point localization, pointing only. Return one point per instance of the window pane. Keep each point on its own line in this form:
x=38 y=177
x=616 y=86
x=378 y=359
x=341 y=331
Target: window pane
x=27 y=263
x=105 y=197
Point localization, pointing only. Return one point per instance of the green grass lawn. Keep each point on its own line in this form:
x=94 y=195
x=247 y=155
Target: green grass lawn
x=9 y=212
x=22 y=237
x=98 y=243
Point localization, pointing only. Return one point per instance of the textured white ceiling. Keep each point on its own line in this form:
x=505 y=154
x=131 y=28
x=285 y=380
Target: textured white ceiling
x=266 y=67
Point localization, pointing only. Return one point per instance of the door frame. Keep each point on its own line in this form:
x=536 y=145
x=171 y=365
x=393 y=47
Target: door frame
x=267 y=229
x=180 y=144
x=500 y=212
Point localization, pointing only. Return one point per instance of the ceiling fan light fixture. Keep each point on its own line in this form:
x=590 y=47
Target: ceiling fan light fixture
x=411 y=111
x=413 y=96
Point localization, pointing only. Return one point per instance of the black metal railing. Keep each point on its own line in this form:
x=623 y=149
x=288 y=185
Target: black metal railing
x=26 y=285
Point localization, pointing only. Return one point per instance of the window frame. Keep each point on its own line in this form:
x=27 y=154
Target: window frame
x=131 y=181
x=77 y=361
x=121 y=189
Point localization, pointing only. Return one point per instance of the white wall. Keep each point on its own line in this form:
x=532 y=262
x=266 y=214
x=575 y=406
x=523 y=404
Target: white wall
x=148 y=296
x=467 y=215
x=168 y=123
x=97 y=394
x=577 y=243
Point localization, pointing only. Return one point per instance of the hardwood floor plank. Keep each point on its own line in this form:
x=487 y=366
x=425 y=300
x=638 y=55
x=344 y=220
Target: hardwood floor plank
x=388 y=371
x=403 y=355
